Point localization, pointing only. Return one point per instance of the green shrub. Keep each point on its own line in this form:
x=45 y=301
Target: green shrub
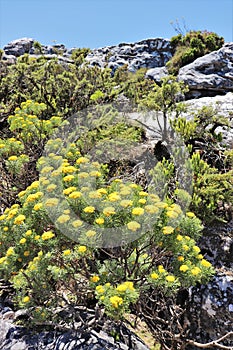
x=190 y=46
x=129 y=241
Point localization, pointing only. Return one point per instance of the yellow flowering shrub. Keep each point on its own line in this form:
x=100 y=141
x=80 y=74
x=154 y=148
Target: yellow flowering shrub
x=105 y=241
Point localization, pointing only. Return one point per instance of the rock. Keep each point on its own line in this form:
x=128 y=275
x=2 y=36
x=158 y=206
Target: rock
x=14 y=337
x=157 y=74
x=19 y=47
x=210 y=310
x=148 y=53
x=223 y=106
x=10 y=59
x=211 y=74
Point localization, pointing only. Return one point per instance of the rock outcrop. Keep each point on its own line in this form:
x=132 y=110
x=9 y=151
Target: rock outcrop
x=211 y=74
x=13 y=337
x=147 y=53
x=208 y=75
x=210 y=310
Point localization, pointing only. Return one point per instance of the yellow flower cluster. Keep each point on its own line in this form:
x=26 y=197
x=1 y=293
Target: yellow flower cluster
x=47 y=235
x=116 y=301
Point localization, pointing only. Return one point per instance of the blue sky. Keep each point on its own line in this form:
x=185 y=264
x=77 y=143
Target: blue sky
x=97 y=23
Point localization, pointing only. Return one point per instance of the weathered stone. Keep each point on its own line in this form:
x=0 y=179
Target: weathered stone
x=14 y=337
x=148 y=53
x=157 y=74
x=210 y=310
x=10 y=59
x=223 y=105
x=19 y=47
x=211 y=74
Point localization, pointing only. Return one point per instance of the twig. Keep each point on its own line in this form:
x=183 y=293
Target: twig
x=214 y=343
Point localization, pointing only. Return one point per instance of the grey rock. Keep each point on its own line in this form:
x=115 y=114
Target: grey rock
x=210 y=309
x=157 y=74
x=19 y=338
x=19 y=47
x=10 y=59
x=211 y=74
x=148 y=53
x=223 y=105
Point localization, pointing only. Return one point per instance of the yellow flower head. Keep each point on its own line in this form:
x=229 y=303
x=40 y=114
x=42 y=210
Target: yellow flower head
x=138 y=211
x=51 y=202
x=38 y=206
x=161 y=269
x=205 y=263
x=102 y=191
x=51 y=187
x=184 y=268
x=10 y=251
x=66 y=252
x=68 y=178
x=13 y=158
x=82 y=249
x=143 y=194
x=113 y=197
x=154 y=276
x=82 y=160
x=19 y=219
x=89 y=209
x=99 y=289
x=170 y=278
x=126 y=203
x=26 y=299
x=95 y=279
x=167 y=230
x=69 y=190
x=189 y=214
x=142 y=201
x=95 y=173
x=180 y=258
x=47 y=235
x=195 y=271
x=152 y=209
x=121 y=288
x=63 y=218
x=23 y=241
x=116 y=301
x=94 y=194
x=90 y=233
x=196 y=249
x=133 y=226
x=179 y=237
x=172 y=214
x=75 y=195
x=77 y=223
x=109 y=211
x=99 y=221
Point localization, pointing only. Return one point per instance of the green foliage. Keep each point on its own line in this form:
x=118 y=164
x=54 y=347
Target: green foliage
x=78 y=55
x=212 y=182
x=65 y=89
x=189 y=46
x=164 y=98
x=38 y=48
x=20 y=153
